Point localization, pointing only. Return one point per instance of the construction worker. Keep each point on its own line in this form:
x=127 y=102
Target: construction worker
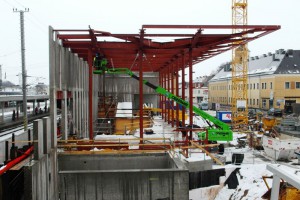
x=99 y=62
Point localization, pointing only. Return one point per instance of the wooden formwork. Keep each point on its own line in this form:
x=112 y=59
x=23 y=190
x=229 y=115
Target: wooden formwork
x=125 y=124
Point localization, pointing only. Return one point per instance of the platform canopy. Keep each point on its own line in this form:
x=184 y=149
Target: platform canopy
x=161 y=45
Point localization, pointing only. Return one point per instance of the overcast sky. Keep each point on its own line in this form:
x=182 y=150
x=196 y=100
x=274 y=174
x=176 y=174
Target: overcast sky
x=127 y=16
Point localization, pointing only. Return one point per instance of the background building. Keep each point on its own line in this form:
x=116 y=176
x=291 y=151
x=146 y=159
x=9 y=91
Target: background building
x=273 y=81
x=200 y=90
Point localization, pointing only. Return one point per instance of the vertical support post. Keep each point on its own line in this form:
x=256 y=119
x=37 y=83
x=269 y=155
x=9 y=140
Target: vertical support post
x=160 y=96
x=6 y=151
x=183 y=89
x=64 y=116
x=90 y=105
x=275 y=187
x=141 y=53
x=29 y=136
x=177 y=93
x=46 y=135
x=38 y=137
x=172 y=88
x=2 y=111
x=168 y=89
x=53 y=106
x=24 y=74
x=164 y=97
x=33 y=108
x=191 y=90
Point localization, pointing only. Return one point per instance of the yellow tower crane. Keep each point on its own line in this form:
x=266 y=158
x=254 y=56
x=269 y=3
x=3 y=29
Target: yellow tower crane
x=239 y=65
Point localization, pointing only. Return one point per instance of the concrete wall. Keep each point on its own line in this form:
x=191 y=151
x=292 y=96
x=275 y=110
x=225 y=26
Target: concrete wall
x=40 y=174
x=122 y=177
x=69 y=74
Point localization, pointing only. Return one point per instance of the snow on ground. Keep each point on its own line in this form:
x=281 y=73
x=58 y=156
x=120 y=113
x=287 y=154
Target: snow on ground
x=251 y=185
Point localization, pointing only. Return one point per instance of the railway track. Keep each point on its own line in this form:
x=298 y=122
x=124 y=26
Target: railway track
x=12 y=127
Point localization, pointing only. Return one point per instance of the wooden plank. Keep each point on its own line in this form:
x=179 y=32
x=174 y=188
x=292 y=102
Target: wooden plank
x=209 y=154
x=22 y=163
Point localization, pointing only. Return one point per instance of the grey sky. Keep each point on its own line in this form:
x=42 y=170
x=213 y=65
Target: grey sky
x=120 y=16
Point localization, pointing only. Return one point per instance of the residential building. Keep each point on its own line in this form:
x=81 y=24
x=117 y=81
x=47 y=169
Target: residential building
x=273 y=81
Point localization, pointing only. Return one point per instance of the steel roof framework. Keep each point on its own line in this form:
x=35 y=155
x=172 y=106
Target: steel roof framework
x=157 y=52
x=121 y=50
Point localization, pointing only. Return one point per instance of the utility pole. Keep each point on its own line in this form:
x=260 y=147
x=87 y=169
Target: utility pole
x=0 y=77
x=23 y=65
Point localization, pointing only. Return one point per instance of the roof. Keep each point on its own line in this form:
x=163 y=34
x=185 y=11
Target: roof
x=161 y=45
x=280 y=62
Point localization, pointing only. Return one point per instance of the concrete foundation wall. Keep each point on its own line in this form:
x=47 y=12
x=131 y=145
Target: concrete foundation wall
x=199 y=165
x=124 y=185
x=122 y=177
x=114 y=162
x=40 y=174
x=39 y=178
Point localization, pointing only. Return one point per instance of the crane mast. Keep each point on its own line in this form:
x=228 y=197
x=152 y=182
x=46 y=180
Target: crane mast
x=239 y=87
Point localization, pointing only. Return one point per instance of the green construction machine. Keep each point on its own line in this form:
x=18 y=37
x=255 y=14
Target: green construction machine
x=219 y=131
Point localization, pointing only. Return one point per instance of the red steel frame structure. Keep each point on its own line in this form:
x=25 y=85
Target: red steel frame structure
x=185 y=49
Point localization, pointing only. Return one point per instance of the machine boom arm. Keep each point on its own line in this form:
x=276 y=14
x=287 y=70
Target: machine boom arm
x=222 y=132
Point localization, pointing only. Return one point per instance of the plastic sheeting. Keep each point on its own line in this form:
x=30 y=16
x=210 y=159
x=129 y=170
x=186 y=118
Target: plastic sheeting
x=124 y=87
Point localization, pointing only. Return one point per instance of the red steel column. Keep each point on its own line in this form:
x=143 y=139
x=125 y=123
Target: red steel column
x=191 y=89
x=141 y=85
x=177 y=93
x=183 y=89
x=160 y=96
x=164 y=97
x=168 y=88
x=172 y=88
x=90 y=63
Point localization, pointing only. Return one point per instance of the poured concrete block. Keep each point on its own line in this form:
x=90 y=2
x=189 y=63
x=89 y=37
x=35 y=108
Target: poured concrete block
x=46 y=134
x=38 y=139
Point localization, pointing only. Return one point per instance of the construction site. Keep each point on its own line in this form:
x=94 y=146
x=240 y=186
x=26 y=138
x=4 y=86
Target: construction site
x=122 y=127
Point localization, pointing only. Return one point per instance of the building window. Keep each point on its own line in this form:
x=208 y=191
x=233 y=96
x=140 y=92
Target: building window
x=253 y=86
x=271 y=85
x=250 y=86
x=253 y=101
x=257 y=86
x=262 y=86
x=264 y=103
x=265 y=85
x=297 y=85
x=250 y=101
x=257 y=102
x=287 y=85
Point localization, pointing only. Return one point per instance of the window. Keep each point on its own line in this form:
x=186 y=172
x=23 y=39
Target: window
x=265 y=85
x=297 y=85
x=250 y=101
x=264 y=103
x=253 y=101
x=257 y=102
x=250 y=86
x=287 y=85
x=253 y=86
x=271 y=85
x=262 y=86
x=257 y=86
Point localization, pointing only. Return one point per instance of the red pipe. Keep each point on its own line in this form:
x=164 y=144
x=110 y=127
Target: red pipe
x=16 y=161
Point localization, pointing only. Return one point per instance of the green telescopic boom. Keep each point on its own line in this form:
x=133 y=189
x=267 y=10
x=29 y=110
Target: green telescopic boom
x=222 y=133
